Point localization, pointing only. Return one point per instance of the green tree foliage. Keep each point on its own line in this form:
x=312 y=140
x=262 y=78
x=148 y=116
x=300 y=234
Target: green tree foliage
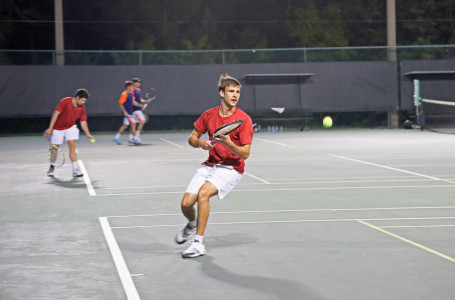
x=365 y=22
x=426 y=22
x=318 y=27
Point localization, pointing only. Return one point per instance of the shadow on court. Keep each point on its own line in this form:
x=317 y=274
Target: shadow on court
x=281 y=288
x=73 y=183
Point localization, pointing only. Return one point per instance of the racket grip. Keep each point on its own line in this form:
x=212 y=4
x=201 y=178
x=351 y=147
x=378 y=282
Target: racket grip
x=212 y=142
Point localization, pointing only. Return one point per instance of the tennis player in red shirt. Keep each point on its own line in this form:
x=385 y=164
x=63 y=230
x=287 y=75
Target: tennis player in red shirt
x=224 y=167
x=63 y=126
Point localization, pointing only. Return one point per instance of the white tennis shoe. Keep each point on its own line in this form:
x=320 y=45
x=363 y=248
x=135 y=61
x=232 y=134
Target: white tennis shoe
x=77 y=173
x=195 y=249
x=183 y=235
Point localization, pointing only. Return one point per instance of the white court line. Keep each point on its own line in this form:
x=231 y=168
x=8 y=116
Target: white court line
x=174 y=144
x=328 y=181
x=296 y=211
x=407 y=241
x=257 y=178
x=390 y=168
x=276 y=143
x=122 y=269
x=289 y=222
x=416 y=226
x=301 y=189
x=88 y=182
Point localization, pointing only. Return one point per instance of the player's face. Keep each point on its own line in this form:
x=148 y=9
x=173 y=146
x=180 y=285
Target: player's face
x=81 y=101
x=136 y=84
x=231 y=95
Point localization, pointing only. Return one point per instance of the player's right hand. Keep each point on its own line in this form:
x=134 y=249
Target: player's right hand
x=207 y=145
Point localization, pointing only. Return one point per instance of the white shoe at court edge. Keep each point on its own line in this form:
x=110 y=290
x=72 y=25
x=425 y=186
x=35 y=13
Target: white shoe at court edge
x=195 y=249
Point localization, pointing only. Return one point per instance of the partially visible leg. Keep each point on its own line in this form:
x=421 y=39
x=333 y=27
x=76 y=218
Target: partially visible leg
x=207 y=191
x=73 y=157
x=120 y=132
x=197 y=247
x=187 y=206
x=53 y=158
x=72 y=148
x=189 y=212
x=140 y=125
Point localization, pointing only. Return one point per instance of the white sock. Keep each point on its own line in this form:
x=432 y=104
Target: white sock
x=193 y=224
x=199 y=238
x=117 y=136
x=131 y=137
x=138 y=133
x=75 y=166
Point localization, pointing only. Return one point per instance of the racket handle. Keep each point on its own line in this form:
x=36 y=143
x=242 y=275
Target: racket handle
x=212 y=142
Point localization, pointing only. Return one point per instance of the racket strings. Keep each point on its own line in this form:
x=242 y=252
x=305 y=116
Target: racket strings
x=56 y=157
x=227 y=129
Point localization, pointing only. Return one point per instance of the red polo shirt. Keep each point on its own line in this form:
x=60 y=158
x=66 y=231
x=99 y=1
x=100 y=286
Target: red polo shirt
x=69 y=114
x=210 y=120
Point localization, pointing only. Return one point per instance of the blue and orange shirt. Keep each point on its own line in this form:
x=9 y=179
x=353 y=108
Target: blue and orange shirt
x=126 y=99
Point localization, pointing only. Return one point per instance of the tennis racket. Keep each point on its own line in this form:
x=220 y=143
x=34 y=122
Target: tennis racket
x=226 y=129
x=148 y=98
x=56 y=154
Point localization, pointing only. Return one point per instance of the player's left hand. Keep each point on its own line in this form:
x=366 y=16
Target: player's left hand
x=224 y=139
x=47 y=132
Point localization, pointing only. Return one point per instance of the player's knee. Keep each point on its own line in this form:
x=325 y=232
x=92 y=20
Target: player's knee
x=187 y=203
x=203 y=196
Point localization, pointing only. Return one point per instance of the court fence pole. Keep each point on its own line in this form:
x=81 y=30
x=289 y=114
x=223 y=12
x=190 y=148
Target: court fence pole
x=417 y=102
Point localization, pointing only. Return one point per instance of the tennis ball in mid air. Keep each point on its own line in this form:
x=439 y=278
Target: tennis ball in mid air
x=327 y=122
x=92 y=141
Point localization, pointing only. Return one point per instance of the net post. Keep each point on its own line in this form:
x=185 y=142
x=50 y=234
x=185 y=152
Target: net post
x=418 y=102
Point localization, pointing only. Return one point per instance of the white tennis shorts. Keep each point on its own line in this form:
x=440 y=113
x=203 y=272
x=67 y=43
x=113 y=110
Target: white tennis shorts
x=60 y=136
x=224 y=178
x=129 y=120
x=139 y=116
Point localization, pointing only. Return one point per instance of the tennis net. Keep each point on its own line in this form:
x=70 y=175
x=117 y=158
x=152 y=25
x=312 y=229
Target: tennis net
x=438 y=115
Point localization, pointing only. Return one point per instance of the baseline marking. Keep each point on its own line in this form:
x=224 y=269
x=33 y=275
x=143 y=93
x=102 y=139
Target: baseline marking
x=122 y=269
x=276 y=143
x=88 y=182
x=407 y=241
x=390 y=168
x=174 y=144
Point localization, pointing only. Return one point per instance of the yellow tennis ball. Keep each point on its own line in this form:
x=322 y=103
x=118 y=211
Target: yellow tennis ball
x=327 y=122
x=92 y=141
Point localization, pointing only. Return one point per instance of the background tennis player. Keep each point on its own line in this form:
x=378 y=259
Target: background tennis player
x=63 y=126
x=224 y=167
x=127 y=105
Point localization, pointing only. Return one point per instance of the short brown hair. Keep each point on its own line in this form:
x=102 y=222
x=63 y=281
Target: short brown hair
x=128 y=83
x=226 y=80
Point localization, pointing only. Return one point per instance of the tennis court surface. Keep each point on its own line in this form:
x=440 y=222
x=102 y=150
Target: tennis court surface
x=332 y=214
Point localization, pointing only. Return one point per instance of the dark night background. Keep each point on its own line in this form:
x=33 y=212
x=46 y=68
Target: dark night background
x=216 y=24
